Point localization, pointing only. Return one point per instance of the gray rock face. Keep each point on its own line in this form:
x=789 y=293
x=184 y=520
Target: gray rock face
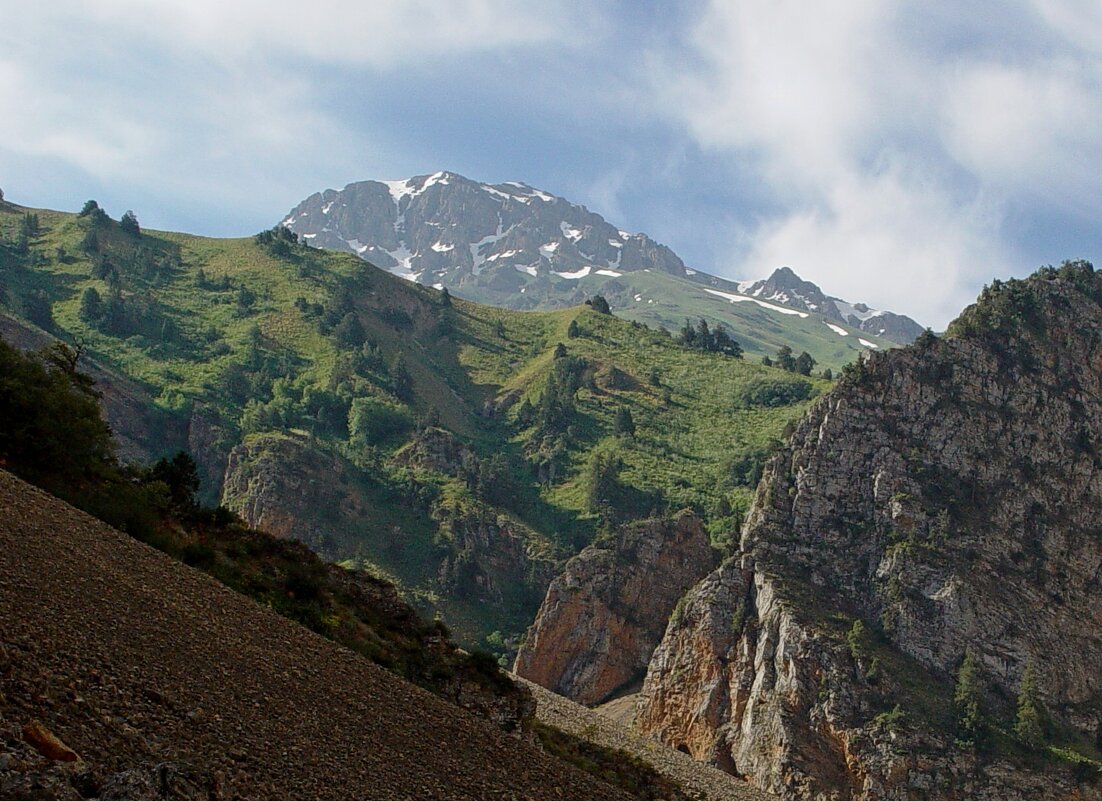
x=947 y=497
x=513 y=245
x=784 y=286
x=444 y=228
x=604 y=615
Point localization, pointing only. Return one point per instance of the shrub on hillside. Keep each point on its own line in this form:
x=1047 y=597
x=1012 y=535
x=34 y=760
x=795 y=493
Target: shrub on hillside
x=772 y=392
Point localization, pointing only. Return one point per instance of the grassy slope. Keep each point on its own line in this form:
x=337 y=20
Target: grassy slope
x=680 y=450
x=667 y=300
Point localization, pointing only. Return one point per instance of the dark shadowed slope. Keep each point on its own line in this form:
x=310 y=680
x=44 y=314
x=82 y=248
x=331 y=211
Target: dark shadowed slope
x=133 y=659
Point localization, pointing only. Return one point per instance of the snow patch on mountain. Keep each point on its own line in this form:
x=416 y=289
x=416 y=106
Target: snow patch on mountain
x=476 y=247
x=745 y=298
x=570 y=233
x=858 y=310
x=837 y=329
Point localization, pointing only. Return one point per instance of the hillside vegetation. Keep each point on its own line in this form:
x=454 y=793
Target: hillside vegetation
x=459 y=450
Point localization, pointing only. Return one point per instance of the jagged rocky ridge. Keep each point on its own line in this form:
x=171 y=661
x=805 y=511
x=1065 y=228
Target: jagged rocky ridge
x=526 y=247
x=604 y=615
x=785 y=287
x=947 y=497
x=444 y=228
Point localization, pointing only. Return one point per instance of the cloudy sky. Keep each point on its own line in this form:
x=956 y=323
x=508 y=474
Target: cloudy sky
x=892 y=153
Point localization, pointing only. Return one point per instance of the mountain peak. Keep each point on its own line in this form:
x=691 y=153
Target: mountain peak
x=514 y=245
x=448 y=229
x=786 y=287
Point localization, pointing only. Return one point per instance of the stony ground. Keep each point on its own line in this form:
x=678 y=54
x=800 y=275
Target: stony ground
x=609 y=730
x=168 y=685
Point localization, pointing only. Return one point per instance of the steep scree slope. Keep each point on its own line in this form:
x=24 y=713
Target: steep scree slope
x=135 y=660
x=947 y=497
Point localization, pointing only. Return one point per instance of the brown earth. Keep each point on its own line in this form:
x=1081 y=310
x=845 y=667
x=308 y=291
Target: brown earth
x=699 y=780
x=134 y=661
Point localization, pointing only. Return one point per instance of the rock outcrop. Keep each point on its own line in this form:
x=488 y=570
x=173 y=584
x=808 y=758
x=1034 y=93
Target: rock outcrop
x=279 y=484
x=943 y=498
x=282 y=485
x=604 y=615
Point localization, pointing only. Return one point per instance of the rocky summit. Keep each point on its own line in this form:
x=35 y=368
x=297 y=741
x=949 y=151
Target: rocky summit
x=513 y=245
x=913 y=612
x=784 y=286
x=444 y=228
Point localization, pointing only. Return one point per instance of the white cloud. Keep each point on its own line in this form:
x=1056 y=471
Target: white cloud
x=1030 y=130
x=892 y=239
x=1079 y=21
x=227 y=102
x=378 y=33
x=48 y=122
x=785 y=81
x=892 y=138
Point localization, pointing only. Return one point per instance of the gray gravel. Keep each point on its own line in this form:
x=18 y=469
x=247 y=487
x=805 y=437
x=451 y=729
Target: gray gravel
x=696 y=778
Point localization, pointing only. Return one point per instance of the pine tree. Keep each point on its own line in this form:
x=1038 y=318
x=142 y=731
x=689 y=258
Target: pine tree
x=704 y=338
x=349 y=333
x=687 y=334
x=624 y=423
x=968 y=698
x=401 y=379
x=573 y=331
x=599 y=304
x=91 y=305
x=804 y=363
x=129 y=224
x=785 y=360
x=1030 y=726
x=38 y=309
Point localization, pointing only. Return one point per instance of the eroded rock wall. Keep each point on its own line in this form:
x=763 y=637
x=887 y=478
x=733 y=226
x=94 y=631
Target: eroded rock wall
x=603 y=616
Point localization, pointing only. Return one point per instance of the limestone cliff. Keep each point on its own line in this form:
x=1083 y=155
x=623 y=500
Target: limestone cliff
x=944 y=497
x=604 y=615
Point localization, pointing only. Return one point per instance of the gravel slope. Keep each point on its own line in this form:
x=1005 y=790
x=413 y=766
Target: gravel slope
x=695 y=777
x=133 y=659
